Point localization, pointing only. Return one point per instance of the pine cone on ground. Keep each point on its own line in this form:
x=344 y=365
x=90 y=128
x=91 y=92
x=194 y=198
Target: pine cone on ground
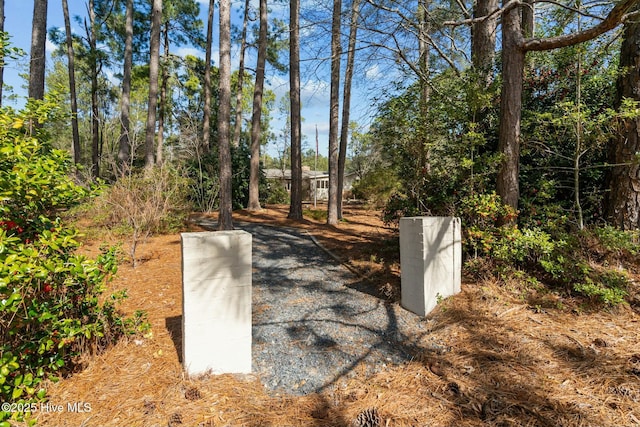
x=175 y=420
x=368 y=418
x=192 y=393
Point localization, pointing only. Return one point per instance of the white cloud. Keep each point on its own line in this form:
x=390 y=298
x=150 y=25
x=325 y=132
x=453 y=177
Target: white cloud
x=373 y=72
x=315 y=93
x=278 y=84
x=198 y=53
x=50 y=47
x=309 y=128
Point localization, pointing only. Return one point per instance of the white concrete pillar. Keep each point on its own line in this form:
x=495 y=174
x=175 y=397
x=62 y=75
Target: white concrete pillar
x=430 y=261
x=216 y=302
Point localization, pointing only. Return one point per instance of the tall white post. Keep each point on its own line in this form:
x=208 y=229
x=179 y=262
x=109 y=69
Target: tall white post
x=430 y=261
x=216 y=302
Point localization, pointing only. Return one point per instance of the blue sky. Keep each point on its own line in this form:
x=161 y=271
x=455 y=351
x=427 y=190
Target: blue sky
x=315 y=93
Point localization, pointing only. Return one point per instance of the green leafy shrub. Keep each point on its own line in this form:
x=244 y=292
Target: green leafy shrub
x=52 y=306
x=204 y=182
x=376 y=187
x=486 y=222
x=203 y=172
x=316 y=214
x=618 y=241
x=551 y=252
x=609 y=288
x=525 y=247
x=276 y=193
x=399 y=206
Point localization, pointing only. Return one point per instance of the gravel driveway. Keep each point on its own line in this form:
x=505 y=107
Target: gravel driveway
x=311 y=326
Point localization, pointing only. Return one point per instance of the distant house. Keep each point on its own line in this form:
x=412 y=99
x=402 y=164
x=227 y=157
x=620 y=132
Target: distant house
x=317 y=181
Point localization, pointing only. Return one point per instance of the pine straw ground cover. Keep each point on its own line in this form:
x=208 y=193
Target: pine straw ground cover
x=506 y=356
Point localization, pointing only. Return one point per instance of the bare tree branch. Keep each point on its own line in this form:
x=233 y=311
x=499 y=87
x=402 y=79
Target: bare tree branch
x=465 y=11
x=504 y=9
x=579 y=11
x=613 y=19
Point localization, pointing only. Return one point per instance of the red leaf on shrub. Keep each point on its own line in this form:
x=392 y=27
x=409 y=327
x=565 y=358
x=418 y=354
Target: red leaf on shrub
x=8 y=225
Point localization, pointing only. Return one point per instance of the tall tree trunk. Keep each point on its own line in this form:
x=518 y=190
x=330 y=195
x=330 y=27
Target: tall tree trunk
x=336 y=51
x=206 y=121
x=162 y=107
x=243 y=48
x=510 y=107
x=154 y=65
x=346 y=100
x=623 y=202
x=295 y=206
x=38 y=45
x=425 y=94
x=483 y=40
x=528 y=18
x=1 y=59
x=224 y=115
x=75 y=144
x=92 y=35
x=514 y=48
x=254 y=172
x=124 y=142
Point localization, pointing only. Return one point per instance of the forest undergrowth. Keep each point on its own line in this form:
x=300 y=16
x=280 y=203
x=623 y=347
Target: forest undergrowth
x=506 y=351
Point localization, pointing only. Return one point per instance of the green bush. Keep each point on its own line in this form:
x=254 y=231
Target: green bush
x=399 y=206
x=549 y=252
x=376 y=187
x=525 y=247
x=486 y=222
x=609 y=288
x=52 y=306
x=276 y=193
x=618 y=241
x=316 y=214
x=205 y=183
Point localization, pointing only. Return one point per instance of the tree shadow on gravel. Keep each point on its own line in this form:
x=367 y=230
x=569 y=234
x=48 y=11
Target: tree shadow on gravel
x=314 y=327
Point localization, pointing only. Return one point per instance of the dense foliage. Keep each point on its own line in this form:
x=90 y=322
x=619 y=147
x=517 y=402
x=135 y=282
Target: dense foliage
x=203 y=174
x=52 y=301
x=444 y=161
x=435 y=146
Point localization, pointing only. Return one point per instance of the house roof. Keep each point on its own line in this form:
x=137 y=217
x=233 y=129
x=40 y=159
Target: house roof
x=286 y=174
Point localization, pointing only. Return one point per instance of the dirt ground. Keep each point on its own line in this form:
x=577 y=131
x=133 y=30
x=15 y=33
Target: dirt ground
x=496 y=355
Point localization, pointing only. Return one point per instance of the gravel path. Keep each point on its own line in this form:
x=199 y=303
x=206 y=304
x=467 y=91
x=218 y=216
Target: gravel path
x=311 y=326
